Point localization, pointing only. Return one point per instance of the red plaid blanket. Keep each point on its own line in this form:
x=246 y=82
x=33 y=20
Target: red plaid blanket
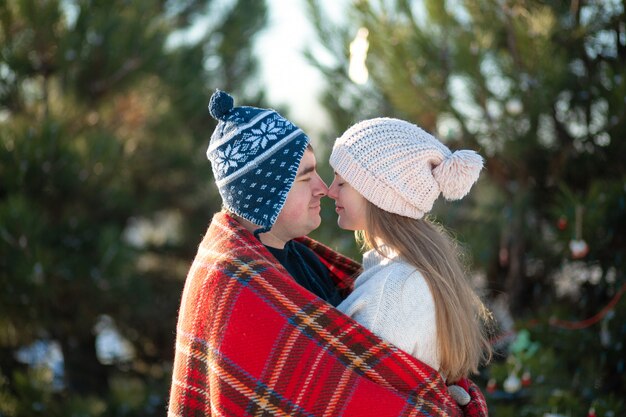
x=252 y=342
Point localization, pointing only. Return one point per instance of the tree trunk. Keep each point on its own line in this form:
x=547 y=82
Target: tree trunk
x=515 y=281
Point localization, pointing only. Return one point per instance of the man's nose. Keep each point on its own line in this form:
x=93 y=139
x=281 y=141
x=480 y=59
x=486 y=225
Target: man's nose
x=321 y=188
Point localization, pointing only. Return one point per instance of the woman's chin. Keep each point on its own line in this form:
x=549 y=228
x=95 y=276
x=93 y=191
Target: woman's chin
x=344 y=225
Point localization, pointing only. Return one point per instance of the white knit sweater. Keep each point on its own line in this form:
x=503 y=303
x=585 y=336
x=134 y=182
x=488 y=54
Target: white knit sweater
x=393 y=300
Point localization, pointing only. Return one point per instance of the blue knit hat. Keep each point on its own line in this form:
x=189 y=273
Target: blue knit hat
x=255 y=154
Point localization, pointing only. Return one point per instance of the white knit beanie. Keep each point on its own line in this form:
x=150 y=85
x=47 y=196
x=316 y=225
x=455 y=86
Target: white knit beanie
x=402 y=169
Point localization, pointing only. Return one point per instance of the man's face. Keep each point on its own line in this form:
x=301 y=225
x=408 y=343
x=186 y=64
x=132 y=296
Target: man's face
x=301 y=213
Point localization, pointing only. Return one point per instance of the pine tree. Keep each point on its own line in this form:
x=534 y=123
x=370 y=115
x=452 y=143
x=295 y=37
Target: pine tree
x=104 y=187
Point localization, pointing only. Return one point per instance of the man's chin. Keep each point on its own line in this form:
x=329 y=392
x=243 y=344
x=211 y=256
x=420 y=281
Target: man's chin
x=305 y=229
x=314 y=224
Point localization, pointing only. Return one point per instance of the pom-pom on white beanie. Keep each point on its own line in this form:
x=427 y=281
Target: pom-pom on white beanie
x=402 y=169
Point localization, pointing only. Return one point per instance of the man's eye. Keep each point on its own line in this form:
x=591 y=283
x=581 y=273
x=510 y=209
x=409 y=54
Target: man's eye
x=340 y=184
x=305 y=179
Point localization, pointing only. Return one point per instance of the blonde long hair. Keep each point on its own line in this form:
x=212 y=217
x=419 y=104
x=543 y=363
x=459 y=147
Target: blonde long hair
x=461 y=315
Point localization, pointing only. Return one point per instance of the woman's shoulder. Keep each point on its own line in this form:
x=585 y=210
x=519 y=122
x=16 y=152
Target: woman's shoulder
x=398 y=284
x=394 y=276
x=399 y=269
x=402 y=275
x=391 y=292
x=402 y=299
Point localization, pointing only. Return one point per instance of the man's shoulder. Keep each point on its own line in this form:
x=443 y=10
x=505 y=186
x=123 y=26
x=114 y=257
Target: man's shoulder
x=303 y=247
x=342 y=269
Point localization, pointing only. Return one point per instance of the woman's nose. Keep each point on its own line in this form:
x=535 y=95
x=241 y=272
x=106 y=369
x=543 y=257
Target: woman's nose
x=332 y=191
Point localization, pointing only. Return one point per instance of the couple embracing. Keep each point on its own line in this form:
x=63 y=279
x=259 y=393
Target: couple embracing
x=273 y=323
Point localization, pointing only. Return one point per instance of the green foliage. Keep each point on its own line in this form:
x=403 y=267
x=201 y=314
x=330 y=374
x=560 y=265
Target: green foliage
x=104 y=188
x=571 y=369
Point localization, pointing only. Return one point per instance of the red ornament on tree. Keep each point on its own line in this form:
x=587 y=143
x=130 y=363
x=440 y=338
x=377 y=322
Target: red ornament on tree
x=592 y=412
x=526 y=379
x=562 y=223
x=491 y=386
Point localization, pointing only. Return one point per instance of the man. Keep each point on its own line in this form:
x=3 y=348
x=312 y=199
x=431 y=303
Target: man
x=257 y=332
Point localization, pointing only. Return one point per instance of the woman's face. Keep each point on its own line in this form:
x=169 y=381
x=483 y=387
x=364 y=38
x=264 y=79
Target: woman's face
x=349 y=204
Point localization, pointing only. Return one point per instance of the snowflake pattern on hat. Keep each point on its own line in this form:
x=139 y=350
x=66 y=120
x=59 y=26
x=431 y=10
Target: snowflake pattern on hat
x=228 y=158
x=266 y=132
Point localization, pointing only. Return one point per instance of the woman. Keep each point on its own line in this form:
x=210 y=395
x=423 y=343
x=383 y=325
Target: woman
x=413 y=291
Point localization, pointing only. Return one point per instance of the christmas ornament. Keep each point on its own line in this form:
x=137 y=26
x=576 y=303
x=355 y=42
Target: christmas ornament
x=592 y=412
x=577 y=246
x=562 y=223
x=526 y=379
x=512 y=383
x=491 y=386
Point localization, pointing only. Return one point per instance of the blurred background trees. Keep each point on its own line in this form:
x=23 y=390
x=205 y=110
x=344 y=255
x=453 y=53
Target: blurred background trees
x=538 y=88
x=105 y=191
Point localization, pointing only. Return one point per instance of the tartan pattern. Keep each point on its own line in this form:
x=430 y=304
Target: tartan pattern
x=252 y=342
x=343 y=270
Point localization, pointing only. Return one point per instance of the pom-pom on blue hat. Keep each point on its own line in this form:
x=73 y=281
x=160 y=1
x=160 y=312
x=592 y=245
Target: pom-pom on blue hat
x=255 y=154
